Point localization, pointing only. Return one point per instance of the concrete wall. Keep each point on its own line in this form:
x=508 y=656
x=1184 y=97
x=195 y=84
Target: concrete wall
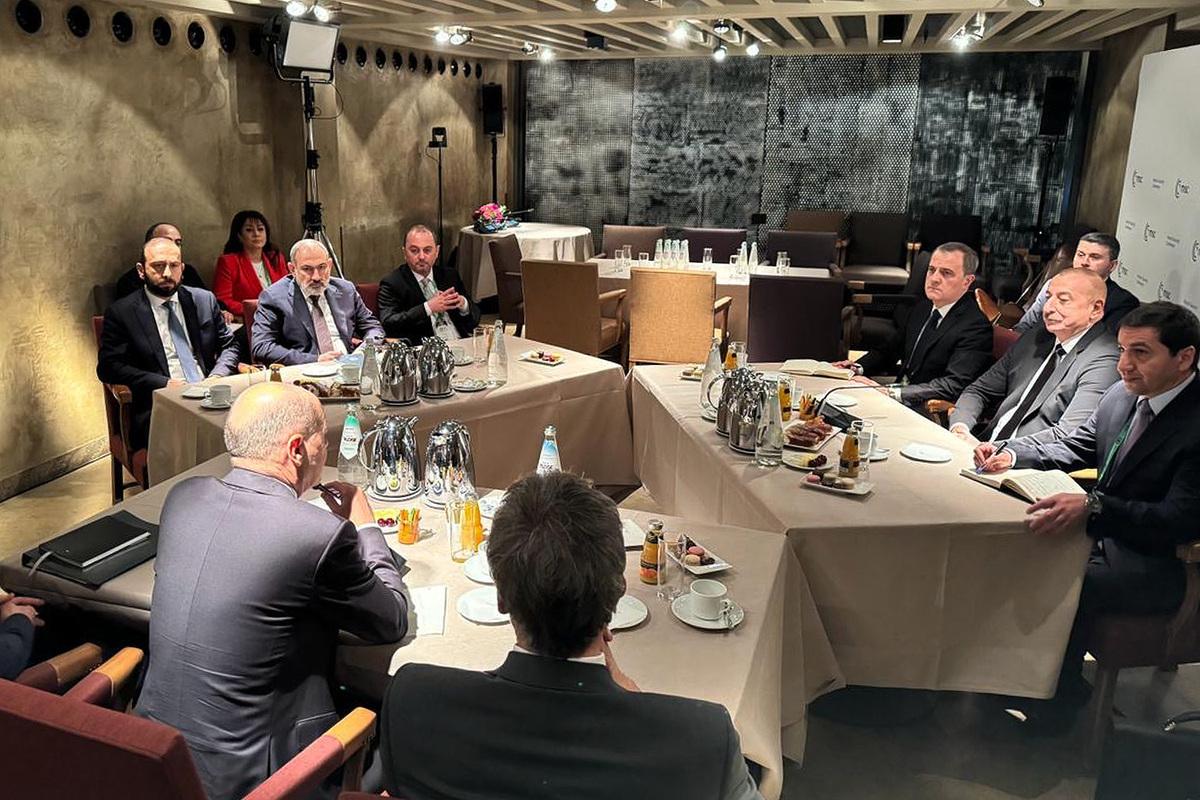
x=1119 y=64
x=99 y=139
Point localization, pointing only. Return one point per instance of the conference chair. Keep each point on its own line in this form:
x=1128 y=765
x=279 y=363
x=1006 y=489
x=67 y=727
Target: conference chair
x=793 y=317
x=988 y=306
x=69 y=747
x=60 y=672
x=879 y=253
x=506 y=263
x=673 y=316
x=804 y=248
x=249 y=308
x=369 y=292
x=640 y=238
x=118 y=414
x=725 y=242
x=834 y=220
x=103 y=295
x=1002 y=339
x=872 y=320
x=564 y=306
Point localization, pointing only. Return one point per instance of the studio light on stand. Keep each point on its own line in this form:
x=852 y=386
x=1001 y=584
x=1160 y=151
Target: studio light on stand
x=437 y=143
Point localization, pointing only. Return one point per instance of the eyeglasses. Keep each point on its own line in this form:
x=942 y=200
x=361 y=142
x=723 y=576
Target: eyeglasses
x=164 y=267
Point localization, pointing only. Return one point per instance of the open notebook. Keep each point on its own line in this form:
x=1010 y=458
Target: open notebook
x=810 y=366
x=1031 y=484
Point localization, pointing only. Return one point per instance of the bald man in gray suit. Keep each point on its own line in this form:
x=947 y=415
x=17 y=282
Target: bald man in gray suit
x=251 y=587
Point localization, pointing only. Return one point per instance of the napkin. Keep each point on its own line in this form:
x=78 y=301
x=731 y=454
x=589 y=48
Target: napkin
x=429 y=604
x=490 y=502
x=635 y=537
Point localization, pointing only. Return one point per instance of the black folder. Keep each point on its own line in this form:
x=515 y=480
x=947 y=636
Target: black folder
x=98 y=551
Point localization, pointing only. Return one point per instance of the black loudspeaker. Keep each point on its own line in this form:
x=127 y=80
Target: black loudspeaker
x=493 y=109
x=1057 y=103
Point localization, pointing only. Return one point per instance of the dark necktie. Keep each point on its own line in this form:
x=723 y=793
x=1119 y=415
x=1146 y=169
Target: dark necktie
x=1142 y=418
x=324 y=340
x=927 y=330
x=1035 y=388
x=187 y=360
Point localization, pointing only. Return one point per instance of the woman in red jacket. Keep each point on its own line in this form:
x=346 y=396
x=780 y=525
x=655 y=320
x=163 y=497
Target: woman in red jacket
x=250 y=264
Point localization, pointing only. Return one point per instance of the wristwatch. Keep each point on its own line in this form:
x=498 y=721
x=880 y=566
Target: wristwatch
x=1094 y=503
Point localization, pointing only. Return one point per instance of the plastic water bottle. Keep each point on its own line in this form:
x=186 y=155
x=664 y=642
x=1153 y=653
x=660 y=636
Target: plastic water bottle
x=368 y=380
x=349 y=468
x=497 y=360
x=548 y=461
x=658 y=253
x=685 y=260
x=754 y=255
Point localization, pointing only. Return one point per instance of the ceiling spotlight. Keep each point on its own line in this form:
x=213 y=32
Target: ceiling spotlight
x=545 y=54
x=296 y=8
x=752 y=49
x=459 y=36
x=1037 y=3
x=891 y=28
x=606 y=6
x=528 y=48
x=680 y=32
x=321 y=13
x=970 y=33
x=719 y=52
x=441 y=35
x=721 y=27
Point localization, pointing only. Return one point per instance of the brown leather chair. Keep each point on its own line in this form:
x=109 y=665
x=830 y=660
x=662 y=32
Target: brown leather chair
x=672 y=316
x=804 y=248
x=118 y=413
x=249 y=307
x=506 y=263
x=879 y=253
x=988 y=306
x=564 y=306
x=369 y=292
x=1002 y=339
x=69 y=747
x=640 y=238
x=724 y=242
x=793 y=317
x=59 y=673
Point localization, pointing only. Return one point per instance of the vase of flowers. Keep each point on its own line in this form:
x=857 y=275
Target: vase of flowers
x=493 y=218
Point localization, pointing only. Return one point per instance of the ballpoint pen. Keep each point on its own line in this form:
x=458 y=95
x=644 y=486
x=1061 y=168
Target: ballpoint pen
x=334 y=493
x=998 y=450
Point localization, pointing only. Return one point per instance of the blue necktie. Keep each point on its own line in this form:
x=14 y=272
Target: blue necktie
x=191 y=371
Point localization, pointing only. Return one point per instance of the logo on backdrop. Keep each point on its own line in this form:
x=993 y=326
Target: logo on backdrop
x=1122 y=270
x=1149 y=233
x=1157 y=183
x=1129 y=225
x=1163 y=292
x=1196 y=251
x=1181 y=188
x=1137 y=179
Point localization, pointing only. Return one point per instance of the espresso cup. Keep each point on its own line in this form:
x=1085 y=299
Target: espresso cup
x=708 y=599
x=219 y=394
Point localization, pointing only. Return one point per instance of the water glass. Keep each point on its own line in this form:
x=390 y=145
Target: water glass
x=868 y=440
x=739 y=354
x=479 y=342
x=644 y=260
x=782 y=261
x=706 y=259
x=671 y=550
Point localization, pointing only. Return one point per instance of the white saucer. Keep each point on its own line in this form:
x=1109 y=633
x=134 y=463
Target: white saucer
x=880 y=454
x=468 y=385
x=321 y=369
x=479 y=606
x=386 y=500
x=842 y=400
x=195 y=392
x=681 y=608
x=208 y=404
x=630 y=612
x=711 y=416
x=931 y=454
x=463 y=361
x=477 y=570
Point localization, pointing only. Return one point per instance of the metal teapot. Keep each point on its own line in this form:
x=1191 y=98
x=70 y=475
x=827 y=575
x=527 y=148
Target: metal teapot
x=398 y=375
x=745 y=409
x=732 y=383
x=394 y=468
x=437 y=365
x=448 y=462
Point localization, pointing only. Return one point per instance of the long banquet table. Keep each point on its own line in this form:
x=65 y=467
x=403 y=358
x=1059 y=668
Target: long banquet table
x=580 y=396
x=729 y=285
x=543 y=240
x=931 y=582
x=759 y=671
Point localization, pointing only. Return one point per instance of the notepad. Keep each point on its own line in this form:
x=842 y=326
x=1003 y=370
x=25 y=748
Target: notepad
x=1030 y=484
x=633 y=534
x=817 y=369
x=429 y=604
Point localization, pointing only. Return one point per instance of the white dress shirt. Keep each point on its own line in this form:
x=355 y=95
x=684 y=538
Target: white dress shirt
x=339 y=346
x=445 y=331
x=263 y=276
x=1067 y=347
x=596 y=659
x=158 y=307
x=1160 y=401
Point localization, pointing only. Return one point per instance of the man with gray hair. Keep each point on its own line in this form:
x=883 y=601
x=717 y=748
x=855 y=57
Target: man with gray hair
x=310 y=315
x=251 y=587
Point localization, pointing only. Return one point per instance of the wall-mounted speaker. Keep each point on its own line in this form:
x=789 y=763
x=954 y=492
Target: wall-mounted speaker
x=122 y=27
x=196 y=35
x=492 y=95
x=161 y=31
x=79 y=22
x=1058 y=101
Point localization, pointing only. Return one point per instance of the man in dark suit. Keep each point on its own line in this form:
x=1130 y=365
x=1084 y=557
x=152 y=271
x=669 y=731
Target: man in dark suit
x=164 y=335
x=947 y=341
x=1098 y=253
x=131 y=280
x=422 y=298
x=558 y=719
x=251 y=587
x=1050 y=380
x=1144 y=440
x=310 y=315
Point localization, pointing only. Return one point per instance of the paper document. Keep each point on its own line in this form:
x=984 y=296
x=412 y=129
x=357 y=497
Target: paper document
x=429 y=606
x=635 y=537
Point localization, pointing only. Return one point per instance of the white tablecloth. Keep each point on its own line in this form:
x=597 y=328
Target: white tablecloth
x=541 y=240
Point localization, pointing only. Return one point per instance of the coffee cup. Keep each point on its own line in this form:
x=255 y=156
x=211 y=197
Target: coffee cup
x=219 y=394
x=707 y=599
x=348 y=373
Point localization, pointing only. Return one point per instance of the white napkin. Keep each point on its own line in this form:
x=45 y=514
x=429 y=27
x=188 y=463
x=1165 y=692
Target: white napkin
x=635 y=537
x=429 y=605
x=490 y=502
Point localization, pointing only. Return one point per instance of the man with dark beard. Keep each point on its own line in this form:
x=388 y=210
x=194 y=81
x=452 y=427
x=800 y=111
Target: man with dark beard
x=165 y=335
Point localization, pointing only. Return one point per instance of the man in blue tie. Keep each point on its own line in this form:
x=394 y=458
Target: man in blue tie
x=166 y=335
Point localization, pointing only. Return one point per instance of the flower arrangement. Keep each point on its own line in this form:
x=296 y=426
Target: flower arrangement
x=492 y=218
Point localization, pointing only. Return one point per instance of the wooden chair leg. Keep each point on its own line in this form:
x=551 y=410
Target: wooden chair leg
x=118 y=480
x=1100 y=714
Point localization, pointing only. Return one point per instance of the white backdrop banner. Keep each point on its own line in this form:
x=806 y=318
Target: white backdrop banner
x=1159 y=224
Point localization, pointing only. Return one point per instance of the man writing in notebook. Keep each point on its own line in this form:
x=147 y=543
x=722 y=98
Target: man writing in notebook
x=1144 y=441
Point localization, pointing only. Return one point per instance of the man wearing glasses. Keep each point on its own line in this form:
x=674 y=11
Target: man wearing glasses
x=165 y=335
x=310 y=315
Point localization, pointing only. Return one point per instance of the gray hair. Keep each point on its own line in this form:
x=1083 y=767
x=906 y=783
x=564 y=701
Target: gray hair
x=302 y=244
x=262 y=435
x=970 y=258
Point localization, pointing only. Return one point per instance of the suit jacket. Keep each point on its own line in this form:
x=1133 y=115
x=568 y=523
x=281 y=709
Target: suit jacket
x=131 y=351
x=1118 y=303
x=1066 y=400
x=235 y=279
x=131 y=282
x=402 y=304
x=948 y=359
x=539 y=728
x=16 y=644
x=283 y=327
x=251 y=587
x=1152 y=498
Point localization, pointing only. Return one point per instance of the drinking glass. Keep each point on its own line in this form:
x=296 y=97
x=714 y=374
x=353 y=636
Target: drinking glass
x=706 y=259
x=782 y=261
x=739 y=354
x=257 y=374
x=868 y=440
x=786 y=387
x=644 y=260
x=626 y=255
x=670 y=565
x=479 y=342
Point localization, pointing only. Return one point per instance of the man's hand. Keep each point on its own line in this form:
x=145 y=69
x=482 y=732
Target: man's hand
x=229 y=317
x=25 y=606
x=331 y=355
x=176 y=383
x=964 y=433
x=443 y=301
x=619 y=677
x=1060 y=513
x=353 y=506
x=986 y=457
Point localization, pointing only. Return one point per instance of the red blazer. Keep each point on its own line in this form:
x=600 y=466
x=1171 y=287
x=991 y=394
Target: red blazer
x=235 y=279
